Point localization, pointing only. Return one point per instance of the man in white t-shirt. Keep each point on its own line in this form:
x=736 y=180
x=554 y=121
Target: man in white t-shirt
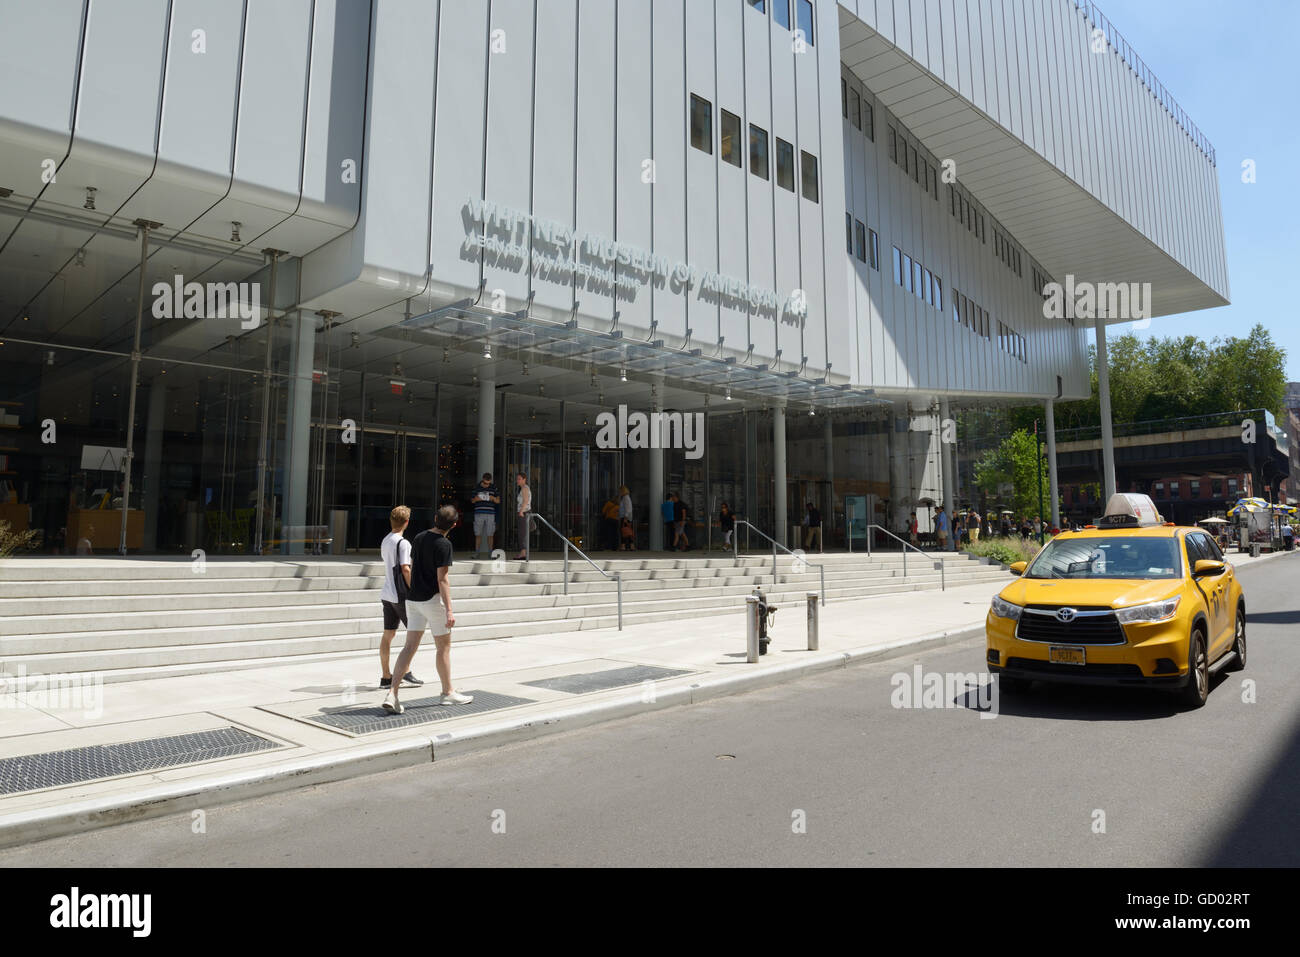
x=396 y=553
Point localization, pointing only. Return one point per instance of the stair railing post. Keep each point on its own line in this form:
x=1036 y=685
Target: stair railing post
x=566 y=566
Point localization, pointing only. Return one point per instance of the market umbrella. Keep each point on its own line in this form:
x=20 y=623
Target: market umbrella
x=1212 y=521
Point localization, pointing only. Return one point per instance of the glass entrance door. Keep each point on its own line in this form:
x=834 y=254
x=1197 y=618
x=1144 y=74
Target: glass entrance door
x=397 y=467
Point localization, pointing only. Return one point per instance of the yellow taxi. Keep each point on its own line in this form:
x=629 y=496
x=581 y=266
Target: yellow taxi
x=1132 y=600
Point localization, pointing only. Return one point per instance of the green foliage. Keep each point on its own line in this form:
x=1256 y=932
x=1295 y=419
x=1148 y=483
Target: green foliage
x=1183 y=376
x=11 y=541
x=1015 y=462
x=1005 y=550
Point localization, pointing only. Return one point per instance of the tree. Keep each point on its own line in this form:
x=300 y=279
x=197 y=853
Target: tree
x=1015 y=463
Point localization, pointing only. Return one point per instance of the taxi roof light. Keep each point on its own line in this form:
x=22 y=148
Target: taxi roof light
x=1130 y=510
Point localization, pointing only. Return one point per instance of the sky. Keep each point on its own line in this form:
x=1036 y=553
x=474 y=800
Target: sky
x=1232 y=68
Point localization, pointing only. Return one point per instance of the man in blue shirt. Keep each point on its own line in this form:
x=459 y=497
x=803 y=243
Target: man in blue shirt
x=941 y=529
x=486 y=498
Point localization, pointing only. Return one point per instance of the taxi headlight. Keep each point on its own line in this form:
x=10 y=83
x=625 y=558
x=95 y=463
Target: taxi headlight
x=1151 y=611
x=1005 y=609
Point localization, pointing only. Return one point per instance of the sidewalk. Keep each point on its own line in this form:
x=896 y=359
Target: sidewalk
x=295 y=725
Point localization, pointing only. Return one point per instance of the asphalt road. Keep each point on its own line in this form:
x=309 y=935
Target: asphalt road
x=728 y=782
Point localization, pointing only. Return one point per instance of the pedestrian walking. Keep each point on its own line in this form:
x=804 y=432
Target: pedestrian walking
x=913 y=530
x=523 y=505
x=667 y=512
x=627 y=527
x=726 y=522
x=486 y=498
x=973 y=521
x=813 y=527
x=428 y=606
x=395 y=551
x=680 y=515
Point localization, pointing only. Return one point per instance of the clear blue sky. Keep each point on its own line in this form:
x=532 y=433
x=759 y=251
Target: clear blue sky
x=1232 y=67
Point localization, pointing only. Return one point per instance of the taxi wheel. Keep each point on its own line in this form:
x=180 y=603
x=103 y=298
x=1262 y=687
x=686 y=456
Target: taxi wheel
x=1197 y=688
x=1239 y=644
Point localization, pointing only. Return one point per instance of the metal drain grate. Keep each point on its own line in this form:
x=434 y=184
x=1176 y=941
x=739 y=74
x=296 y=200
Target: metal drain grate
x=604 y=680
x=31 y=772
x=420 y=711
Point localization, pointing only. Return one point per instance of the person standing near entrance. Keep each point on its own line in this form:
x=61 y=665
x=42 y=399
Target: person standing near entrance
x=941 y=529
x=609 y=524
x=679 y=524
x=813 y=523
x=913 y=529
x=666 y=510
x=973 y=523
x=524 y=505
x=428 y=606
x=486 y=498
x=396 y=553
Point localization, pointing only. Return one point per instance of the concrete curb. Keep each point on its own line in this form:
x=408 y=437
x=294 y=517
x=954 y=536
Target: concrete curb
x=322 y=768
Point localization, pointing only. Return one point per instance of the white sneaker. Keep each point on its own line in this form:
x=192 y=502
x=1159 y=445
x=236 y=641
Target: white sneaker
x=392 y=705
x=457 y=698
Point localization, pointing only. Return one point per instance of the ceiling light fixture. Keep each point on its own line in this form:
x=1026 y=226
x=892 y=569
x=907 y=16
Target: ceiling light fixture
x=446 y=354
x=234 y=232
x=622 y=373
x=487 y=351
x=90 y=198
x=356 y=340
x=81 y=257
x=525 y=372
x=541 y=388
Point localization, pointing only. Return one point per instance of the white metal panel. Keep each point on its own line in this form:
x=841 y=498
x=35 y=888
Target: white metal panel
x=701 y=167
x=670 y=143
x=733 y=247
x=554 y=104
x=509 y=155
x=596 y=105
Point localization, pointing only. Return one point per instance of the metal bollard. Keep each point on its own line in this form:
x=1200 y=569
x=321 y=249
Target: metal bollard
x=751 y=629
x=814 y=637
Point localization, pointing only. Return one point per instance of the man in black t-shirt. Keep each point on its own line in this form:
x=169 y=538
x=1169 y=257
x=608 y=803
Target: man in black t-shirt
x=428 y=605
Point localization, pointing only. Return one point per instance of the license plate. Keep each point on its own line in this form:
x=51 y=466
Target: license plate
x=1063 y=655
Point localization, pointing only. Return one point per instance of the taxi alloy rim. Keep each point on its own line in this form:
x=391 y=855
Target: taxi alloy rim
x=1202 y=673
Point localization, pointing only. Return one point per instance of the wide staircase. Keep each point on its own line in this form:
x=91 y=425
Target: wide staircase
x=131 y=619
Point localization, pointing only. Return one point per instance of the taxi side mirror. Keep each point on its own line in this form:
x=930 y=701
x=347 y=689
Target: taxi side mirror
x=1208 y=566
x=1018 y=568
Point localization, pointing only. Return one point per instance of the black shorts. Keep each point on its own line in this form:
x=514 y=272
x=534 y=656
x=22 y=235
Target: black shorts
x=394 y=615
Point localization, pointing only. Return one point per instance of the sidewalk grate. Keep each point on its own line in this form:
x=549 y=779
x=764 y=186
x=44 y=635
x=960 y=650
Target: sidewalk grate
x=590 y=681
x=420 y=711
x=32 y=772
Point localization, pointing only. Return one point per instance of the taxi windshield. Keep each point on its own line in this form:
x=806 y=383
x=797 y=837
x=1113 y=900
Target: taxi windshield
x=1107 y=556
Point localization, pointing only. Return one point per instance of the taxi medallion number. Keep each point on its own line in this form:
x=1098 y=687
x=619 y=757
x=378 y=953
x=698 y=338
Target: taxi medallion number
x=1066 y=655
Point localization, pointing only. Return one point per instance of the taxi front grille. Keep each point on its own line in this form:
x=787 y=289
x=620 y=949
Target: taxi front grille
x=1089 y=626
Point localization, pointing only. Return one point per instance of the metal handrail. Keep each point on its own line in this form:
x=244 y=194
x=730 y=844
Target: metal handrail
x=939 y=563
x=616 y=578
x=735 y=551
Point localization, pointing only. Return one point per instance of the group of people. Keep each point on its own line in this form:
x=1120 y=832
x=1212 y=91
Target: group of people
x=952 y=528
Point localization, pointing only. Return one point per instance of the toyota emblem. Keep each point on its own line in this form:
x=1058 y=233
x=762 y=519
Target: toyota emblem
x=1065 y=614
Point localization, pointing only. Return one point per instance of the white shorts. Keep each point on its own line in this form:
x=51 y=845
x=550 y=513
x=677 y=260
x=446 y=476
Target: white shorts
x=427 y=615
x=485 y=524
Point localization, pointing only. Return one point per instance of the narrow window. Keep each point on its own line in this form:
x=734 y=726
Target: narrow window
x=844 y=97
x=902 y=154
x=784 y=164
x=806 y=20
x=956 y=307
x=861 y=233
x=759 y=5
x=868 y=120
x=811 y=186
x=898 y=267
x=701 y=124
x=758 y=151
x=916 y=280
x=893 y=145
x=927 y=287
x=875 y=250
x=848 y=231
x=730 y=139
x=855 y=114
x=916 y=168
x=907 y=273
x=938 y=293
x=781 y=12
